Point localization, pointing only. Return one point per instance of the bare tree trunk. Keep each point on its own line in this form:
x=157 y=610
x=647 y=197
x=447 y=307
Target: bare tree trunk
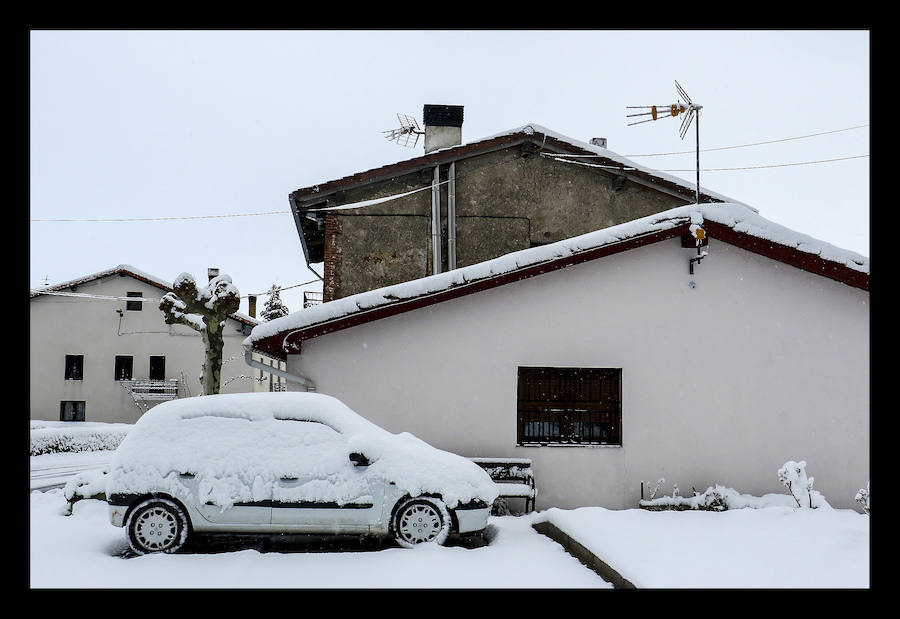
x=205 y=311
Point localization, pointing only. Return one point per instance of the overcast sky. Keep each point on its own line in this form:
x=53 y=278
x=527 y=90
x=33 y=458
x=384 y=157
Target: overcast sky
x=154 y=124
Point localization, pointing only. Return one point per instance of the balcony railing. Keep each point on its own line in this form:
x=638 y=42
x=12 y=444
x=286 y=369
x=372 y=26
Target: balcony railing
x=154 y=389
x=311 y=298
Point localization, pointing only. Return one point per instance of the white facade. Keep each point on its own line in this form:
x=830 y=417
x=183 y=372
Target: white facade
x=99 y=330
x=758 y=364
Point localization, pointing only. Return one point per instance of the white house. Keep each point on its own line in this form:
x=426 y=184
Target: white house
x=100 y=350
x=620 y=356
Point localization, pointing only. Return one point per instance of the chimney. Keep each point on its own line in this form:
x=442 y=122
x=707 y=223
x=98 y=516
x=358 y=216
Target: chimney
x=443 y=126
x=601 y=142
x=212 y=273
x=251 y=300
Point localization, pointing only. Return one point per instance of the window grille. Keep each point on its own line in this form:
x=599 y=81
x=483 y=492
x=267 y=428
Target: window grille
x=569 y=406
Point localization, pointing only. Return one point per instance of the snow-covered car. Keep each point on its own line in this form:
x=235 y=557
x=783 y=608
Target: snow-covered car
x=299 y=463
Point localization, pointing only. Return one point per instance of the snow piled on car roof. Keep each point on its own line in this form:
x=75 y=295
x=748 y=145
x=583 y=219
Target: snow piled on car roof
x=238 y=447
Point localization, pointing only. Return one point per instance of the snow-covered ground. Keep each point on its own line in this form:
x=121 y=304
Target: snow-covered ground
x=85 y=551
x=759 y=542
x=771 y=547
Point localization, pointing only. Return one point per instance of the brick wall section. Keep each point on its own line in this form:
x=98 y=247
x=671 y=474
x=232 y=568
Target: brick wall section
x=332 y=273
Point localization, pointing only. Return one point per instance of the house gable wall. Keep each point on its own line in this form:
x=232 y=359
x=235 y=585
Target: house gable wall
x=758 y=364
x=61 y=325
x=506 y=200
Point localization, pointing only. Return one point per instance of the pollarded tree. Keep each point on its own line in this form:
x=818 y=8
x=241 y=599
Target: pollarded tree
x=274 y=307
x=204 y=310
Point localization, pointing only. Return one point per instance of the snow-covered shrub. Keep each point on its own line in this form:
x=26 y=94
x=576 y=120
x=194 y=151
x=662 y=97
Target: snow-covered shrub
x=793 y=475
x=862 y=497
x=76 y=438
x=87 y=485
x=653 y=492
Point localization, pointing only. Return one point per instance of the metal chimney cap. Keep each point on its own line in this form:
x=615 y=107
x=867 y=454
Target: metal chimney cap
x=212 y=273
x=442 y=115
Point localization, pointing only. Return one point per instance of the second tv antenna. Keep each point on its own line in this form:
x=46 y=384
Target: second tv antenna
x=689 y=109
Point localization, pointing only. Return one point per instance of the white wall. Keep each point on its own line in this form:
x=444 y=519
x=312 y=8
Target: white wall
x=91 y=327
x=760 y=363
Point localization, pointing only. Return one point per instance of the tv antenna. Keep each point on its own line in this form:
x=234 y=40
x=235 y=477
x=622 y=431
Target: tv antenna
x=689 y=109
x=407 y=134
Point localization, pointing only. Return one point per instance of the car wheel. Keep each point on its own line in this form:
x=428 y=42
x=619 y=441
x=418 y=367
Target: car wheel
x=156 y=525
x=421 y=520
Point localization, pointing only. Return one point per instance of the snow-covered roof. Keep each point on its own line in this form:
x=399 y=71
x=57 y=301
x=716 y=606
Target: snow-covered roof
x=626 y=163
x=551 y=143
x=735 y=221
x=128 y=270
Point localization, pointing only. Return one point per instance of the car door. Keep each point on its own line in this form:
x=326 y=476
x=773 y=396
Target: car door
x=323 y=491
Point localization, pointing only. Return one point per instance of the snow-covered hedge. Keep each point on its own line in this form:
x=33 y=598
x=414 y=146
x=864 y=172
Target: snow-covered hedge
x=719 y=498
x=75 y=436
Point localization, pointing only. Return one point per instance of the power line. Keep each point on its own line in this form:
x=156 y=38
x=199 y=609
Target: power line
x=777 y=165
x=704 y=150
x=557 y=156
x=118 y=219
x=629 y=168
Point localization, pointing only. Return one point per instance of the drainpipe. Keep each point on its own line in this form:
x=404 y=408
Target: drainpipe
x=436 y=221
x=451 y=217
x=259 y=365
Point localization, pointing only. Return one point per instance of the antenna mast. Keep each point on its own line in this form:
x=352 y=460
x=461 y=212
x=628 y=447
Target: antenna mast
x=690 y=110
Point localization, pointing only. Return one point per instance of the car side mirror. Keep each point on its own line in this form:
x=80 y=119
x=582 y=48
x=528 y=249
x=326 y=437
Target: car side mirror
x=359 y=459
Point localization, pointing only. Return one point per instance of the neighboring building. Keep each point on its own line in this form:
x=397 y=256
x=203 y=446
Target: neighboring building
x=463 y=204
x=111 y=359
x=617 y=357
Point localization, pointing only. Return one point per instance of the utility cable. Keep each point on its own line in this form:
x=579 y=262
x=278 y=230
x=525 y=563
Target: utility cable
x=705 y=150
x=557 y=156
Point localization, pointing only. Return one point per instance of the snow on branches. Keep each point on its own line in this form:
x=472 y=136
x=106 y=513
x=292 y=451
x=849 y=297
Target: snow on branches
x=862 y=497
x=205 y=310
x=793 y=476
x=274 y=307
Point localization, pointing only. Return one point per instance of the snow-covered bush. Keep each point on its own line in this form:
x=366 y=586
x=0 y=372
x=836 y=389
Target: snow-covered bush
x=653 y=492
x=862 y=497
x=87 y=485
x=74 y=437
x=793 y=476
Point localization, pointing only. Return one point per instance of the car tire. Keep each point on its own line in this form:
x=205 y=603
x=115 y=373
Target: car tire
x=157 y=525
x=421 y=520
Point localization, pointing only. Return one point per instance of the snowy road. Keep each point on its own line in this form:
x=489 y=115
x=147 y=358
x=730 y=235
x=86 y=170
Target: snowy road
x=54 y=470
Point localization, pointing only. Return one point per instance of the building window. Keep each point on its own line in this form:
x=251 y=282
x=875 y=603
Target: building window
x=71 y=411
x=123 y=367
x=569 y=406
x=157 y=368
x=74 y=367
x=133 y=306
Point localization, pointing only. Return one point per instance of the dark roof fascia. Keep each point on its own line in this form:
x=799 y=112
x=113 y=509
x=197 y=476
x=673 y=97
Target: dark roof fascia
x=122 y=273
x=277 y=345
x=640 y=176
x=316 y=193
x=301 y=199
x=78 y=282
x=806 y=261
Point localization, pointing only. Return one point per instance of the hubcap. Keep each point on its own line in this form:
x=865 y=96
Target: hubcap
x=156 y=528
x=420 y=523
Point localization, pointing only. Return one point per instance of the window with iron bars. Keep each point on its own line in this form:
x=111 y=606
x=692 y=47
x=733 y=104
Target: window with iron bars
x=569 y=406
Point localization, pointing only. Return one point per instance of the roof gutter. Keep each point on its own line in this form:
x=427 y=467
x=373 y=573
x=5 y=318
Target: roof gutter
x=259 y=365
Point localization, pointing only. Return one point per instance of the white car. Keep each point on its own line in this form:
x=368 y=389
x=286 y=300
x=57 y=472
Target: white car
x=286 y=463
